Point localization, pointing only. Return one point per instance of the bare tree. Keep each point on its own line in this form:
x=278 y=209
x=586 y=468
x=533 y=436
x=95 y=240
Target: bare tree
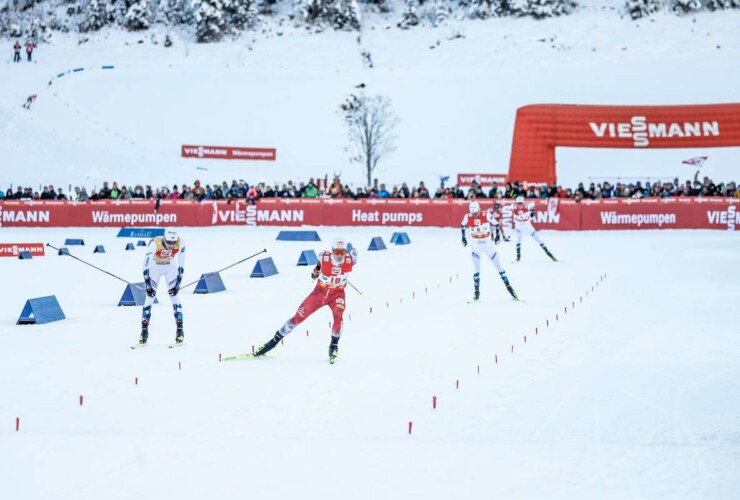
x=370 y=122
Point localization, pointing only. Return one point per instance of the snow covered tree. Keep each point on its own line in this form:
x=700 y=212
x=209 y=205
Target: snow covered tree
x=95 y=15
x=171 y=12
x=345 y=15
x=483 y=9
x=638 y=9
x=210 y=24
x=686 y=6
x=410 y=18
x=241 y=14
x=340 y=14
x=442 y=12
x=370 y=122
x=722 y=4
x=541 y=9
x=138 y=16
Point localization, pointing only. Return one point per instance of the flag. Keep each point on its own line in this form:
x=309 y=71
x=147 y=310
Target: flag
x=698 y=161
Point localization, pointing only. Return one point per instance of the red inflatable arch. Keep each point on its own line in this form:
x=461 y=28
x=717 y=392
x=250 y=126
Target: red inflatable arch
x=540 y=128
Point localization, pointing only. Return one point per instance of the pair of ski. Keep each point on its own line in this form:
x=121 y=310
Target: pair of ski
x=171 y=346
x=474 y=301
x=244 y=357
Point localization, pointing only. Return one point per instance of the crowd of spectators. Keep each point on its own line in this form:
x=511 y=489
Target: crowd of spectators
x=251 y=193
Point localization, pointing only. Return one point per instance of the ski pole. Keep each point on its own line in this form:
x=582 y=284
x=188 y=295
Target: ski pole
x=96 y=267
x=223 y=269
x=353 y=286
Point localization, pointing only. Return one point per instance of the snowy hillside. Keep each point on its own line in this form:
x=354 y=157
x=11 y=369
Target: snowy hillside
x=455 y=88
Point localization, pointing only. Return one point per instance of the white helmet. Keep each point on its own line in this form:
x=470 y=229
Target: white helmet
x=520 y=199
x=171 y=236
x=474 y=207
x=339 y=244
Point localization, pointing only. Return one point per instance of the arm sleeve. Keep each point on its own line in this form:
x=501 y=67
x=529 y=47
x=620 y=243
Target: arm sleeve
x=464 y=224
x=353 y=252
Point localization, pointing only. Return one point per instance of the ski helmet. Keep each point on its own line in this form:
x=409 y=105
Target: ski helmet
x=339 y=246
x=520 y=199
x=170 y=236
x=474 y=207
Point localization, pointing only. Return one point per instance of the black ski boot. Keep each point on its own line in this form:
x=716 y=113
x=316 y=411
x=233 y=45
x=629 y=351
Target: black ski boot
x=144 y=334
x=548 y=253
x=508 y=285
x=268 y=346
x=333 y=349
x=518 y=252
x=179 y=334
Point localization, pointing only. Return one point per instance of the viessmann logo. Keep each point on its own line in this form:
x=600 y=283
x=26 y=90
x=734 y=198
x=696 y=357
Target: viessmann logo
x=23 y=216
x=641 y=131
x=730 y=217
x=202 y=151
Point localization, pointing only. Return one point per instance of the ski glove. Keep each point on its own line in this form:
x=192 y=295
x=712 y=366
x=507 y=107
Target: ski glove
x=149 y=289
x=497 y=238
x=464 y=242
x=175 y=289
x=315 y=273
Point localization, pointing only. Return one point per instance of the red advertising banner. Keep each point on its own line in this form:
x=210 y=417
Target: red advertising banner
x=564 y=215
x=466 y=180
x=228 y=153
x=14 y=249
x=668 y=213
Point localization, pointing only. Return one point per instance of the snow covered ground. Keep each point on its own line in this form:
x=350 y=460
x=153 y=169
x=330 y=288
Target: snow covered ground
x=456 y=90
x=631 y=394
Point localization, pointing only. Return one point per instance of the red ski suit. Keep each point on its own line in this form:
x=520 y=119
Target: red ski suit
x=329 y=290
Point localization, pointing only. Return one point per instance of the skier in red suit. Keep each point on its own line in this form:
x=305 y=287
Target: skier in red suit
x=332 y=272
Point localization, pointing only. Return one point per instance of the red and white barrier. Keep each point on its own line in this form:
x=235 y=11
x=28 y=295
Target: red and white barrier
x=565 y=215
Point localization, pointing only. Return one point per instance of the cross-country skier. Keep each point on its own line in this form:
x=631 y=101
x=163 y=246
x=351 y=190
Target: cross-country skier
x=165 y=257
x=523 y=224
x=498 y=218
x=484 y=232
x=332 y=272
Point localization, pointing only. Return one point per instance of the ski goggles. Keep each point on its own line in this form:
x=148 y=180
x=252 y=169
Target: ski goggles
x=339 y=251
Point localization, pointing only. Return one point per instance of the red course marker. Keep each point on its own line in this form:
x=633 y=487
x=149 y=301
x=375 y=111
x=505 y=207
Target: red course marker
x=80 y=400
x=434 y=402
x=411 y=424
x=17 y=423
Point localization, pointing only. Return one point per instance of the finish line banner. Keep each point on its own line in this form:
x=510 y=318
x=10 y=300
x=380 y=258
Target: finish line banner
x=228 y=153
x=553 y=214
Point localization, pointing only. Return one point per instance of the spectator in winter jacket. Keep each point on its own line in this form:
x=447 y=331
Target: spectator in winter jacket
x=198 y=190
x=252 y=195
x=46 y=195
x=17 y=51
x=104 y=193
x=29 y=50
x=61 y=195
x=493 y=193
x=2 y=194
x=115 y=191
x=311 y=191
x=383 y=193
